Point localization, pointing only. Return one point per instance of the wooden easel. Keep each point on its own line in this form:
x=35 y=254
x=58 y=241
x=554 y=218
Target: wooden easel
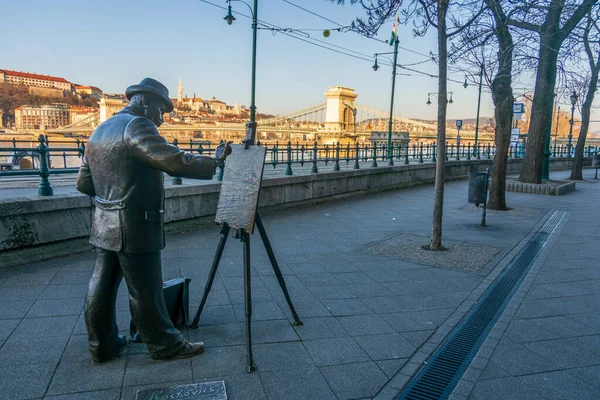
x=243 y=234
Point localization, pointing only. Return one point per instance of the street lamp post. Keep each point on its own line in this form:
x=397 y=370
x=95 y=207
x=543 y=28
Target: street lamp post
x=556 y=128
x=391 y=123
x=230 y=18
x=573 y=102
x=475 y=149
x=458 y=126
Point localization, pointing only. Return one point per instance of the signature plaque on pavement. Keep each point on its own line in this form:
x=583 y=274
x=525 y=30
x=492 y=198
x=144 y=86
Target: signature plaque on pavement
x=241 y=184
x=198 y=391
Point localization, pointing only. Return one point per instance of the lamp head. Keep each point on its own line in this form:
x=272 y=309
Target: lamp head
x=450 y=101
x=465 y=84
x=375 y=66
x=428 y=99
x=229 y=17
x=574 y=98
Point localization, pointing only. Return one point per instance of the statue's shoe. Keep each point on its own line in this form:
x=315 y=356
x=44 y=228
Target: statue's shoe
x=121 y=347
x=189 y=350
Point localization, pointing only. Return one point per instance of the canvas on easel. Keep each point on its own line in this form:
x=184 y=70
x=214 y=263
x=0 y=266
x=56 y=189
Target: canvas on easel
x=240 y=188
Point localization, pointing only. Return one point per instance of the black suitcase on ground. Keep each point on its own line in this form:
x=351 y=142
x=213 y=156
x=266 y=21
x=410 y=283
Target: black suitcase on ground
x=177 y=299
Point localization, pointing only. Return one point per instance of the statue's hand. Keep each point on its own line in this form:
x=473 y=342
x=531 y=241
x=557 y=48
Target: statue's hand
x=222 y=151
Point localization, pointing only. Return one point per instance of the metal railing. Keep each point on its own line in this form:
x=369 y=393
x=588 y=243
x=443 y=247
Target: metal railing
x=291 y=155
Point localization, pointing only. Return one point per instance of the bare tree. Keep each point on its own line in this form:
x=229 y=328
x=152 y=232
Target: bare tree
x=553 y=21
x=591 y=45
x=488 y=44
x=425 y=14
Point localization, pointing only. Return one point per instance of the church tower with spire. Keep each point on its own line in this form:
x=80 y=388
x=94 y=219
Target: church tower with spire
x=180 y=91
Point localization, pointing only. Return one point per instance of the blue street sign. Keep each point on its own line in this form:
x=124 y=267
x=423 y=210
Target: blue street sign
x=459 y=123
x=518 y=108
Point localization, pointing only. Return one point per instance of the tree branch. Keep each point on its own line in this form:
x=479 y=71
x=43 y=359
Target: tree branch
x=525 y=25
x=577 y=16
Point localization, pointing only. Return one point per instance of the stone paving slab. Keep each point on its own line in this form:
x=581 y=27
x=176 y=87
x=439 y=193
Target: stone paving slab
x=368 y=319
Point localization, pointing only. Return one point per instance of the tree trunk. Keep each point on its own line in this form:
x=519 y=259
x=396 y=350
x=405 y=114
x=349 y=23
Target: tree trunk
x=503 y=101
x=541 y=112
x=438 y=203
x=577 y=170
x=502 y=95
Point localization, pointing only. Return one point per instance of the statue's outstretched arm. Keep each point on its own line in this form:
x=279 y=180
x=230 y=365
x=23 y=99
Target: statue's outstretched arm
x=151 y=149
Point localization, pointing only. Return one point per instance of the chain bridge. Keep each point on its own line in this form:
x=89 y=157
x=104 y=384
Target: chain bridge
x=339 y=117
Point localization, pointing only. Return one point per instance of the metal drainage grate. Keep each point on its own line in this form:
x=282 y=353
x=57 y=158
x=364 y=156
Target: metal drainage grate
x=443 y=370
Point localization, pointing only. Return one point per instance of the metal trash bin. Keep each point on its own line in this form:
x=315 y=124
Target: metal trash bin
x=596 y=161
x=478 y=187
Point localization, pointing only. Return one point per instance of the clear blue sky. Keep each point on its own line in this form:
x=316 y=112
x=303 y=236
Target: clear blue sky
x=112 y=44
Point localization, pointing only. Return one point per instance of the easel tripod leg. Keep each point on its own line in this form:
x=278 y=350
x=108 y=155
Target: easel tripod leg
x=213 y=271
x=278 y=274
x=248 y=299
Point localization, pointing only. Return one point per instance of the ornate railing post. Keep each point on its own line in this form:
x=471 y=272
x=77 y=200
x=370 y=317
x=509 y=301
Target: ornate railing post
x=288 y=170
x=347 y=153
x=45 y=188
x=468 y=151
x=447 y=155
x=314 y=169
x=336 y=167
x=406 y=147
x=302 y=150
x=176 y=179
x=457 y=151
x=326 y=154
x=489 y=153
x=356 y=154
x=374 y=163
x=421 y=153
x=433 y=150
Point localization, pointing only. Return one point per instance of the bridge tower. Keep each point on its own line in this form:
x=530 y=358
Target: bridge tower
x=340 y=108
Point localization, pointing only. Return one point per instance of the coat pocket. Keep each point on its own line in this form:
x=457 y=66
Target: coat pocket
x=107 y=232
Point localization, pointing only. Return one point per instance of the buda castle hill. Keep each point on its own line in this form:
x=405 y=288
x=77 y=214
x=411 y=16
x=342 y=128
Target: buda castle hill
x=50 y=102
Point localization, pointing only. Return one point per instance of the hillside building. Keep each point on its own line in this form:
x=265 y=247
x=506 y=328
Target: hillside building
x=42 y=117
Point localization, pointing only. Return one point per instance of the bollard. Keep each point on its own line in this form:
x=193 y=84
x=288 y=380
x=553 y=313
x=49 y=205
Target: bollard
x=45 y=188
x=288 y=170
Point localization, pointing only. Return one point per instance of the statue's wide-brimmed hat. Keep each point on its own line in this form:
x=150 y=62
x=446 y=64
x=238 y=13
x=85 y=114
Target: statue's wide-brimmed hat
x=149 y=85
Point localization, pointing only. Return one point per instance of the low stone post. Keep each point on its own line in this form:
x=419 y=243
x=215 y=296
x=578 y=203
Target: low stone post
x=45 y=188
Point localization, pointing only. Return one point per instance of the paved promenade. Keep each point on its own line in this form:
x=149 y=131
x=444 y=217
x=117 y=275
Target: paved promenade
x=369 y=321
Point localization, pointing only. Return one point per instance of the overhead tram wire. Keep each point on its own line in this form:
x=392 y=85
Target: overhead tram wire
x=430 y=56
x=327 y=46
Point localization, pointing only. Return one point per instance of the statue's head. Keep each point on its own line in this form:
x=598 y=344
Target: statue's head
x=149 y=98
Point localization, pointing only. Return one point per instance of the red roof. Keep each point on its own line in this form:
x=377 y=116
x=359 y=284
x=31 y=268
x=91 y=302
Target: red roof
x=34 y=76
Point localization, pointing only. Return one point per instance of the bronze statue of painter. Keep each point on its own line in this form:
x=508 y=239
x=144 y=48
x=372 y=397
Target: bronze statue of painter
x=123 y=171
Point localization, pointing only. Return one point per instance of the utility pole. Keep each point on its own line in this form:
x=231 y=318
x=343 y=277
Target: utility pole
x=391 y=162
x=475 y=149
